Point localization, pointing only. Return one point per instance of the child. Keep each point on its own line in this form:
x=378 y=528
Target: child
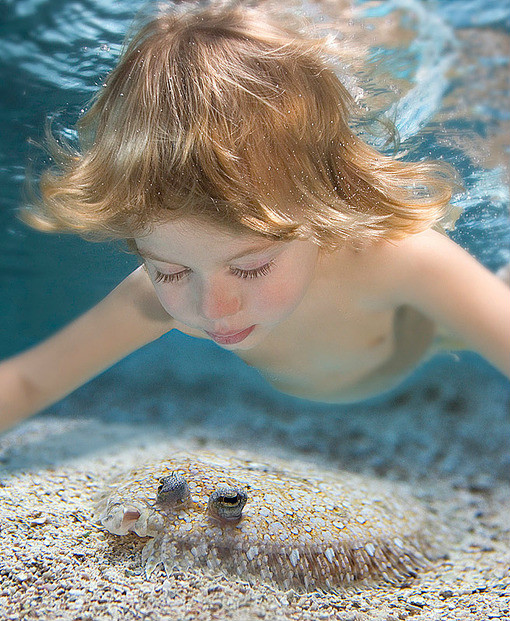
x=220 y=149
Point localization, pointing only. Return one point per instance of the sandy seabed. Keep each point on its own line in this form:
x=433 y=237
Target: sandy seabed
x=56 y=564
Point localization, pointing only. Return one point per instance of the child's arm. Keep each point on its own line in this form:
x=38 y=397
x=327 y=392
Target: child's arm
x=442 y=280
x=129 y=317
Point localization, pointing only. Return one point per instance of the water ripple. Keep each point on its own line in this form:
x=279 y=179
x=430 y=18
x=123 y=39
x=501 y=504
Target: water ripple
x=443 y=77
x=64 y=44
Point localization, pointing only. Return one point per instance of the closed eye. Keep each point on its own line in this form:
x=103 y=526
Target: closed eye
x=263 y=270
x=172 y=278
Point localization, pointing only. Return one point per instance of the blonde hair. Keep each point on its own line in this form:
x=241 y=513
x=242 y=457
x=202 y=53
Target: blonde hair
x=226 y=115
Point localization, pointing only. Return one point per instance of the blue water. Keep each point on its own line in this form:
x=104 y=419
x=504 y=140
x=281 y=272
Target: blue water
x=444 y=84
x=56 y=53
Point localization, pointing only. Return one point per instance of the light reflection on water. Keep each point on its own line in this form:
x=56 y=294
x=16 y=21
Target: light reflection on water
x=440 y=74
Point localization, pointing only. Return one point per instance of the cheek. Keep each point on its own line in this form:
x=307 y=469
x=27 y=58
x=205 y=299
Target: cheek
x=172 y=300
x=285 y=292
x=281 y=295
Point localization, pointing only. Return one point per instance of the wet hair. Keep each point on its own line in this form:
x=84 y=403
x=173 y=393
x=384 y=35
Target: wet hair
x=224 y=114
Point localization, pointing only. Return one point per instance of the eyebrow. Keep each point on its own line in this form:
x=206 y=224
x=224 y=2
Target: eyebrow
x=147 y=254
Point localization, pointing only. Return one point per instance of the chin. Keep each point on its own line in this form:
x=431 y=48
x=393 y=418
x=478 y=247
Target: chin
x=243 y=346
x=249 y=342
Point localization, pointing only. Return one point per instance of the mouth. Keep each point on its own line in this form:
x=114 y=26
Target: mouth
x=232 y=338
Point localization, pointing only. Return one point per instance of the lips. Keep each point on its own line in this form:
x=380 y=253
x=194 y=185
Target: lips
x=231 y=338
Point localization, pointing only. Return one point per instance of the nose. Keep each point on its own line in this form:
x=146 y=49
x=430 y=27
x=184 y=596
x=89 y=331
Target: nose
x=218 y=301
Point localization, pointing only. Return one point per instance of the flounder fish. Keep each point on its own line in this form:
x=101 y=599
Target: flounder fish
x=285 y=524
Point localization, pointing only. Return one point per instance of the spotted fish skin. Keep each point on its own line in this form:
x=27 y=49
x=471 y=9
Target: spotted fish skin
x=302 y=527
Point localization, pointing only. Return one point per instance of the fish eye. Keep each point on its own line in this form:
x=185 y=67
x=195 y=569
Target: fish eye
x=227 y=503
x=172 y=490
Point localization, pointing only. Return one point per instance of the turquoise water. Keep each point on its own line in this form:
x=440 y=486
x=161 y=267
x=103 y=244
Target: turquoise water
x=55 y=54
x=439 y=70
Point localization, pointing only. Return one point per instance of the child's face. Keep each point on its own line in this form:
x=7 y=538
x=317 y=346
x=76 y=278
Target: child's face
x=233 y=287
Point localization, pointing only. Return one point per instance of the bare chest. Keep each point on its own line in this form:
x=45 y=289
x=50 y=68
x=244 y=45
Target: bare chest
x=324 y=351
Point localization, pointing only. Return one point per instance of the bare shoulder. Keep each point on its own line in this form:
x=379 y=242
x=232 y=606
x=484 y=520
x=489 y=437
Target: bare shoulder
x=380 y=270
x=394 y=262
x=390 y=254
x=137 y=300
x=424 y=264
x=434 y=275
x=430 y=257
x=424 y=247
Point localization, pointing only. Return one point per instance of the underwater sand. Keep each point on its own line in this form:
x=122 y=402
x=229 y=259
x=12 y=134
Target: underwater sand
x=452 y=448
x=446 y=433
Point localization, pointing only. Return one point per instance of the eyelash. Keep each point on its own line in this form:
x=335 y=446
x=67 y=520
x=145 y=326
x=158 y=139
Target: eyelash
x=172 y=278
x=263 y=270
